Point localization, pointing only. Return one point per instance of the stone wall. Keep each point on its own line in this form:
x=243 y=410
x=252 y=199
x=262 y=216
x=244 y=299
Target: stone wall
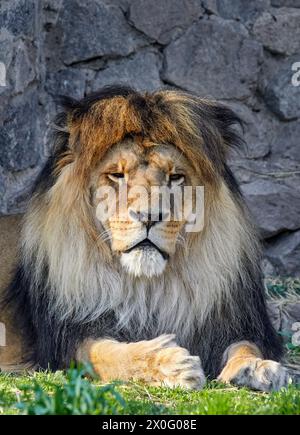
x=238 y=51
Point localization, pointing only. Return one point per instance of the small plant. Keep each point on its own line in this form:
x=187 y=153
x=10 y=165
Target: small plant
x=292 y=350
x=76 y=396
x=293 y=353
x=282 y=287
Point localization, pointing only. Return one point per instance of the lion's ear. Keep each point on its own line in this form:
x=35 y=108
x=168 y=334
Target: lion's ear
x=220 y=128
x=61 y=127
x=229 y=125
x=67 y=103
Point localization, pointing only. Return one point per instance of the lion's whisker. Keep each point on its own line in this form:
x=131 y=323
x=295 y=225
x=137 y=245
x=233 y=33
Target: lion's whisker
x=105 y=236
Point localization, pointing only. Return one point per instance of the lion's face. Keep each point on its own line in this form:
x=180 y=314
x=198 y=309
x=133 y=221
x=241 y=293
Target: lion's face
x=143 y=231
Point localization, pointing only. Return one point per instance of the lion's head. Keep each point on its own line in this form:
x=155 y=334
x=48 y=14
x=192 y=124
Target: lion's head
x=141 y=228
x=141 y=263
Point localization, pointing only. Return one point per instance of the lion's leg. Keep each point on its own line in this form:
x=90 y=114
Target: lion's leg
x=158 y=361
x=245 y=366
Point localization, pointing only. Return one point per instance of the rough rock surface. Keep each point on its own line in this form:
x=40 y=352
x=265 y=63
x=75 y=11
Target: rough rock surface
x=287 y=3
x=209 y=65
x=142 y=69
x=164 y=20
x=92 y=29
x=279 y=30
x=274 y=205
x=279 y=92
x=285 y=250
x=241 y=53
x=241 y=9
x=284 y=313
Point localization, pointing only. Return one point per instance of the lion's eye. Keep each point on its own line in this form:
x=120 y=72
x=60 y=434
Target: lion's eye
x=176 y=178
x=116 y=176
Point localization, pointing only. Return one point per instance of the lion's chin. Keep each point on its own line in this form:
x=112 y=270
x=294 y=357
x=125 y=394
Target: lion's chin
x=143 y=262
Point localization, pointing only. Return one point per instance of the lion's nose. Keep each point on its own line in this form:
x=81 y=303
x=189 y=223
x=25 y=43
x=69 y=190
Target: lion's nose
x=149 y=219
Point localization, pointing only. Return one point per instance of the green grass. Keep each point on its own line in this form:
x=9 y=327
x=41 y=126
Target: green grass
x=72 y=393
x=78 y=392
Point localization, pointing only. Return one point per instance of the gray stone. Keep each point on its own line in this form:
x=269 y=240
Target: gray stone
x=140 y=71
x=286 y=3
x=202 y=60
x=279 y=30
x=281 y=96
x=48 y=112
x=286 y=143
x=22 y=71
x=71 y=82
x=274 y=314
x=19 y=145
x=18 y=17
x=123 y=4
x=293 y=309
x=267 y=268
x=51 y=11
x=283 y=314
x=241 y=9
x=18 y=186
x=164 y=20
x=19 y=61
x=272 y=168
x=210 y=6
x=284 y=254
x=92 y=29
x=274 y=204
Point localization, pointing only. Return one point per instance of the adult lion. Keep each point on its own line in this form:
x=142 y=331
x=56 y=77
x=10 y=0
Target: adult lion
x=141 y=297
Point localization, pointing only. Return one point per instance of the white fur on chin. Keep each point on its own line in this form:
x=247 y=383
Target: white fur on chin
x=143 y=262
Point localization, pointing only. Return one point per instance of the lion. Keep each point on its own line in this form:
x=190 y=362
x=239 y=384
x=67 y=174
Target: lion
x=134 y=293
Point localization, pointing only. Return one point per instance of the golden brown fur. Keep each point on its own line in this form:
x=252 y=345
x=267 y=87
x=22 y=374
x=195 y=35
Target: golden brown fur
x=245 y=365
x=158 y=361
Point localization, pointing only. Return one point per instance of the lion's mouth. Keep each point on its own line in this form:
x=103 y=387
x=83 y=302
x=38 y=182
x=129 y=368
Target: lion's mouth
x=145 y=244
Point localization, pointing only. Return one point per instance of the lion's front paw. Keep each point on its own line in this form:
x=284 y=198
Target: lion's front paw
x=256 y=373
x=162 y=361
x=178 y=368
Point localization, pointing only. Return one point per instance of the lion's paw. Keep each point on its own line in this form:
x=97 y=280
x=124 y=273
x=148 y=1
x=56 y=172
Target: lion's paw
x=165 y=363
x=178 y=368
x=256 y=373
